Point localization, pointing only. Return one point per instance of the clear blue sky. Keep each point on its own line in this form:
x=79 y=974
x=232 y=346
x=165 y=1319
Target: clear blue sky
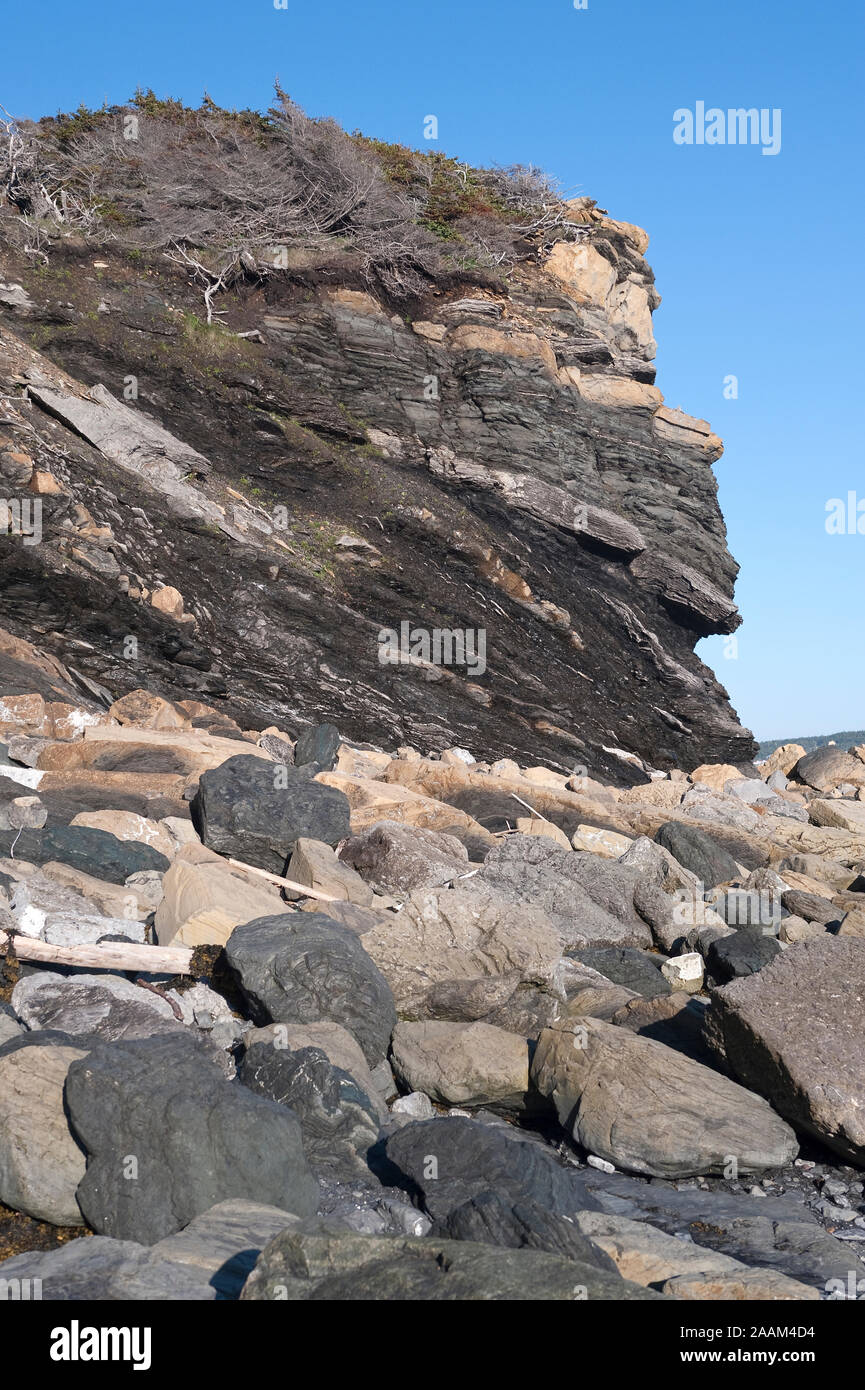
x=758 y=258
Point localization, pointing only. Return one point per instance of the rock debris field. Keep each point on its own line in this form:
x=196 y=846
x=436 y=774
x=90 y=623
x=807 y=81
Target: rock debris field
x=285 y=1016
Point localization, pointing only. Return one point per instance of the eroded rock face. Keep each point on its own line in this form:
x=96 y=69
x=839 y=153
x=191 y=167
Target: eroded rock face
x=544 y=494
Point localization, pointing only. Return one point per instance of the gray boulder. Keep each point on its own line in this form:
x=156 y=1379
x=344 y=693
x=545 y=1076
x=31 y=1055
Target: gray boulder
x=648 y=1109
x=256 y=811
x=330 y=1266
x=308 y=968
x=167 y=1137
x=41 y=1164
x=793 y=1033
x=109 y=1007
x=339 y=1123
x=400 y=858
x=698 y=852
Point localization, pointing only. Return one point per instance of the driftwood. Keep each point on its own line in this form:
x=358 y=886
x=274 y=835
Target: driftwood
x=106 y=955
x=300 y=888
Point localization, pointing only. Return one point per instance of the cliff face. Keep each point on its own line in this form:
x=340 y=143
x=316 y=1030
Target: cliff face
x=490 y=455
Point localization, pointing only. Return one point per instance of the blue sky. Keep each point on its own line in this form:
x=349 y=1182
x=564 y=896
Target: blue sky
x=757 y=257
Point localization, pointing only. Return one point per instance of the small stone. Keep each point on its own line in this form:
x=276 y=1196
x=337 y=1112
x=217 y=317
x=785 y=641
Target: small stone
x=684 y=972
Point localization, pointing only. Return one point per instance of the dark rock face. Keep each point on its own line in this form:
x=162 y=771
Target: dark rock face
x=308 y=968
x=698 y=852
x=195 y=1140
x=542 y=494
x=520 y=1226
x=448 y=1162
x=339 y=1122
x=636 y=970
x=93 y=851
x=743 y=954
x=318 y=745
x=256 y=811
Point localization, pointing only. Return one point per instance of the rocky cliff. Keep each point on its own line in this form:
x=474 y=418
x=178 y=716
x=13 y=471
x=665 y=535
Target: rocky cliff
x=333 y=456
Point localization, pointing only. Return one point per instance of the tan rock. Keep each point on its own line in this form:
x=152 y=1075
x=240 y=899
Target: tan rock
x=371 y=801
x=658 y=793
x=630 y=312
x=505 y=767
x=586 y=275
x=716 y=775
x=148 y=711
x=544 y=777
x=784 y=759
x=470 y=337
x=462 y=1063
x=748 y=1284
x=126 y=825
x=359 y=762
x=533 y=825
x=44 y=484
x=619 y=391
x=607 y=843
x=182 y=832
x=841 y=815
x=630 y=231
x=42 y=1164
x=803 y=883
x=205 y=898
x=168 y=601
x=793 y=929
x=315 y=865
x=434 y=332
x=853 y=923
x=675 y=427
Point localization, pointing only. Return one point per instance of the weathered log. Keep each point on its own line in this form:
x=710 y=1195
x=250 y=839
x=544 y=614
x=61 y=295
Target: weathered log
x=301 y=888
x=105 y=955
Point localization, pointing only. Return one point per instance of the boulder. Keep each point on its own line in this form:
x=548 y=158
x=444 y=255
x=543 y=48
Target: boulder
x=591 y=901
x=697 y=852
x=307 y=968
x=337 y=1044
x=167 y=1137
x=842 y=815
x=343 y=1266
x=339 y=1122
x=639 y=971
x=103 y=1006
x=784 y=759
x=826 y=767
x=648 y=1256
x=204 y=899
x=645 y=1108
x=462 y=1063
x=94 y=851
x=315 y=865
x=400 y=858
x=716 y=775
x=464 y=953
x=743 y=953
x=793 y=1033
x=125 y=825
x=492 y=1220
x=256 y=811
x=41 y=1164
x=319 y=745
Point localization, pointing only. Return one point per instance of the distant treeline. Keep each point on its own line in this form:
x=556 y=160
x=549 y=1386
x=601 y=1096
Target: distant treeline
x=844 y=740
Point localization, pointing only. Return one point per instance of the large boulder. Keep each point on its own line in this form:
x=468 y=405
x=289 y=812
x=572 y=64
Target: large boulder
x=492 y=1220
x=646 y=1108
x=591 y=901
x=315 y=865
x=697 y=852
x=342 y=1266
x=468 y=953
x=204 y=899
x=41 y=1164
x=256 y=811
x=448 y=1161
x=306 y=968
x=167 y=1137
x=793 y=1033
x=401 y=858
x=743 y=953
x=104 y=1006
x=462 y=1063
x=339 y=1122
x=827 y=767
